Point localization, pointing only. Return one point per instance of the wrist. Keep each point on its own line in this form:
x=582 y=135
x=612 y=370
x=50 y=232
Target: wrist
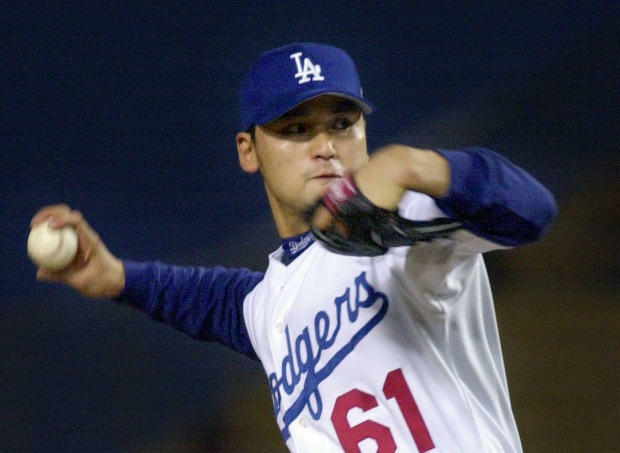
x=426 y=171
x=117 y=278
x=382 y=179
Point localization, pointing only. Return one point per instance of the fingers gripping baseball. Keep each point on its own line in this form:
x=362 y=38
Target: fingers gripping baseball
x=94 y=272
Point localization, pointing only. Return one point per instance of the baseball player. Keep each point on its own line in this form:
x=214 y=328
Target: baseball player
x=374 y=320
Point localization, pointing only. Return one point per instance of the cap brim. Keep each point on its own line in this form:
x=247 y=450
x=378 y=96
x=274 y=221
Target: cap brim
x=366 y=106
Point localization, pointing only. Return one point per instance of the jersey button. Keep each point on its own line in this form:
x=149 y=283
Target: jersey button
x=280 y=327
x=303 y=421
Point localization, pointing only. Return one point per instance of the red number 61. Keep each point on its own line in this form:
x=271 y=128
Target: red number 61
x=395 y=387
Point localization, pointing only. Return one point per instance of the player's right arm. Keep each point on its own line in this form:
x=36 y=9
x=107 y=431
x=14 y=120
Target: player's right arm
x=205 y=303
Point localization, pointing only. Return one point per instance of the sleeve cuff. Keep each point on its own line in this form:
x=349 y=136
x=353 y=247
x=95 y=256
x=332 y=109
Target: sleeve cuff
x=464 y=192
x=136 y=283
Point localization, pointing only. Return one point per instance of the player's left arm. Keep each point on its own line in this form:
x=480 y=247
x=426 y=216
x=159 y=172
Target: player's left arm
x=493 y=197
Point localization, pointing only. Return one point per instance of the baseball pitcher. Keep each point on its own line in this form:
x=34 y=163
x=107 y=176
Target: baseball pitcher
x=374 y=320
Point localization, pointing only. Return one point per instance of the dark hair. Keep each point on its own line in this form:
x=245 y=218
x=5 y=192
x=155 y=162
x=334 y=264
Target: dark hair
x=252 y=132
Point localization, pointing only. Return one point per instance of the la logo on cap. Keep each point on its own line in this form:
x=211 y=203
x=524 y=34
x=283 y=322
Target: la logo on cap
x=307 y=69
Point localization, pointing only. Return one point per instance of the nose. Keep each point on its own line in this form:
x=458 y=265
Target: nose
x=323 y=146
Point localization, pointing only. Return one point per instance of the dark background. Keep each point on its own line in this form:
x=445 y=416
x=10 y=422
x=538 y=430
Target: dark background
x=127 y=112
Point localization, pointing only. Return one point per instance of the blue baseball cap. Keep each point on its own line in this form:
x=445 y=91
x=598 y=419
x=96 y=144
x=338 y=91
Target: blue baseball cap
x=283 y=78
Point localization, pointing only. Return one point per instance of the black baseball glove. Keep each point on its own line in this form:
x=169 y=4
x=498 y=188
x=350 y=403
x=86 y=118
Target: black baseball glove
x=364 y=229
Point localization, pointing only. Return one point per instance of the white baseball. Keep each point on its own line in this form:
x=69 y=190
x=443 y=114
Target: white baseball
x=52 y=248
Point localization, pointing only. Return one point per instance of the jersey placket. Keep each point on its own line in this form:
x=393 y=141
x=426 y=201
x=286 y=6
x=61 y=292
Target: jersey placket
x=284 y=292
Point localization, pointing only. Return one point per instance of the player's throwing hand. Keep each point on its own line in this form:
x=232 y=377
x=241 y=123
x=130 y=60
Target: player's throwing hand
x=95 y=272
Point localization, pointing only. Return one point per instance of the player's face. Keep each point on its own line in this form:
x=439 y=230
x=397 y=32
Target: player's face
x=301 y=153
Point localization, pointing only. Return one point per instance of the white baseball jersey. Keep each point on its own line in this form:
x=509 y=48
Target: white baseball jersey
x=379 y=354
x=398 y=352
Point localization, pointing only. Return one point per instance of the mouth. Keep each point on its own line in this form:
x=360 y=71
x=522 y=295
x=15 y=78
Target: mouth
x=327 y=176
x=326 y=179
x=329 y=171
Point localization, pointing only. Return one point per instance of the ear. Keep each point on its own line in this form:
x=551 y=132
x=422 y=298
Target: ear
x=246 y=148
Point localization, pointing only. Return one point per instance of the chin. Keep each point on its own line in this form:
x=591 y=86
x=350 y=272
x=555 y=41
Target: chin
x=317 y=188
x=313 y=202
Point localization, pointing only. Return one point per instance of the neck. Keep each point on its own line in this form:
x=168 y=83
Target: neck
x=292 y=226
x=289 y=223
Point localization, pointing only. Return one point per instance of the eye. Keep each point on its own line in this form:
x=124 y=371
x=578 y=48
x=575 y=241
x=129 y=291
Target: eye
x=342 y=124
x=345 y=120
x=294 y=129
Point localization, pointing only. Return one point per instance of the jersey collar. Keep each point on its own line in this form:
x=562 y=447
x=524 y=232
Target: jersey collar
x=294 y=246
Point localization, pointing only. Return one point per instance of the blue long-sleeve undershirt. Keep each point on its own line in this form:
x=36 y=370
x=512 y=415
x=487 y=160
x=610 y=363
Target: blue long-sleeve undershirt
x=205 y=303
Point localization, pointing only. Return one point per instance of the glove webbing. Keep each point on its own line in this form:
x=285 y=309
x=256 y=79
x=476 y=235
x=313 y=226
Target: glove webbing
x=372 y=230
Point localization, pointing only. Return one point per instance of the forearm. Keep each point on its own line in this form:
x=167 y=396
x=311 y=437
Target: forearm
x=493 y=197
x=395 y=169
